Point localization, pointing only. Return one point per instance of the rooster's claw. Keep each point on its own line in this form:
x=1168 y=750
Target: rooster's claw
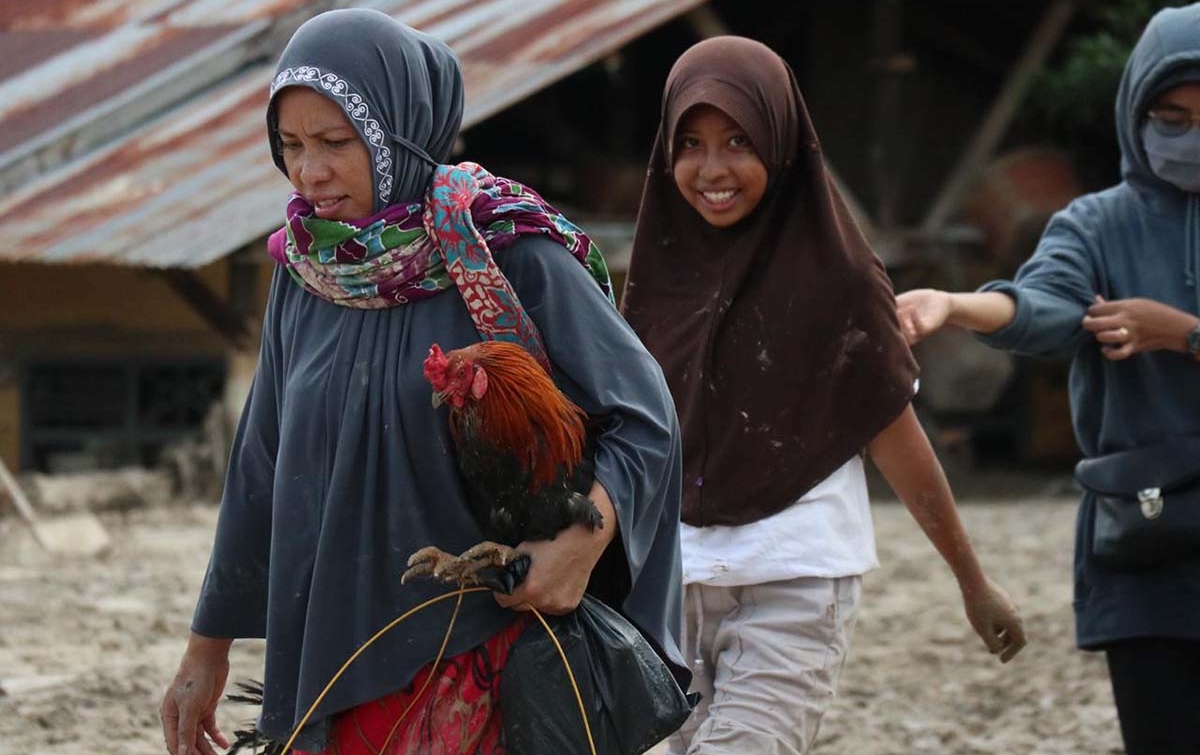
x=464 y=569
x=488 y=553
x=429 y=561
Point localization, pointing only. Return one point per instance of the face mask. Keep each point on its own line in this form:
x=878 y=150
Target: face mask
x=1174 y=159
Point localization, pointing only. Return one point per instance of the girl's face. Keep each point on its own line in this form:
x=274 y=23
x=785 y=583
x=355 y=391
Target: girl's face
x=716 y=168
x=327 y=163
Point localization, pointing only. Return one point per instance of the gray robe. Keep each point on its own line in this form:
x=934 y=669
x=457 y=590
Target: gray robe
x=341 y=468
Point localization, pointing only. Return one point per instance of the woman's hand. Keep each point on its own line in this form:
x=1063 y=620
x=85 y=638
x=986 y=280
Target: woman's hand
x=189 y=707
x=559 y=569
x=1125 y=327
x=922 y=312
x=994 y=618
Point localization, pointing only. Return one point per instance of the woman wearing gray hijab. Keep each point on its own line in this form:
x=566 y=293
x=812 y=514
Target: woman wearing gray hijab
x=1115 y=282
x=340 y=469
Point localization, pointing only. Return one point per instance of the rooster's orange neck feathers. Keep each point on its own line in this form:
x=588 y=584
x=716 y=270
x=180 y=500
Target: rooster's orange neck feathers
x=522 y=410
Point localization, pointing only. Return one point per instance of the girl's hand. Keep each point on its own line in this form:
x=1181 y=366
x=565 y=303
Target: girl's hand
x=559 y=569
x=994 y=618
x=1125 y=327
x=904 y=456
x=922 y=312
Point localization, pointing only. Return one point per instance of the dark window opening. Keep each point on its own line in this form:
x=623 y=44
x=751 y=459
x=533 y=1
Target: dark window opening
x=106 y=414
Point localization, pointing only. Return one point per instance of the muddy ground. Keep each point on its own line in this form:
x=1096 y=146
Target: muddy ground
x=87 y=646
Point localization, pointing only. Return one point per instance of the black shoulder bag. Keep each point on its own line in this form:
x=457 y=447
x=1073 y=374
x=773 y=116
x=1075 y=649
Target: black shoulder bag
x=1147 y=503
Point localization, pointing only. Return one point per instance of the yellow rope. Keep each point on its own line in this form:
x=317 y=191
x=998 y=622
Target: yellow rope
x=587 y=728
x=287 y=747
x=441 y=651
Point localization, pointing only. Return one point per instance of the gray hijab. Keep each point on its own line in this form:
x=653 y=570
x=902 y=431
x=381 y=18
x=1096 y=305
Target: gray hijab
x=400 y=88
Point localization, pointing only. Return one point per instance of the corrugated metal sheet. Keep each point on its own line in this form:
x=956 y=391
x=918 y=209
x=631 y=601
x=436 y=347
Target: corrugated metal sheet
x=196 y=182
x=77 y=74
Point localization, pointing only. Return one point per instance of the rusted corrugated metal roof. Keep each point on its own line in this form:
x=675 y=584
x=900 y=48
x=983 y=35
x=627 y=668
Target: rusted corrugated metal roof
x=196 y=182
x=77 y=74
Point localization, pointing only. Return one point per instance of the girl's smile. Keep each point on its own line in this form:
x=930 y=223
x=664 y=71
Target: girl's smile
x=719 y=201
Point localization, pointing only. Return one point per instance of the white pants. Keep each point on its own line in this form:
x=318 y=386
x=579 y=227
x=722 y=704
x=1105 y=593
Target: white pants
x=767 y=659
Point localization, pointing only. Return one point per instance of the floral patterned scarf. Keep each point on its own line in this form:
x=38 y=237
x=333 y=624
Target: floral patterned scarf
x=410 y=252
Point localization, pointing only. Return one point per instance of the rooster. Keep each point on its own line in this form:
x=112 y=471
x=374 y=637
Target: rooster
x=520 y=444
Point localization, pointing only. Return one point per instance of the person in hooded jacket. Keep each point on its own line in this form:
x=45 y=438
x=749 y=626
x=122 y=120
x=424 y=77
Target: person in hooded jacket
x=1114 y=282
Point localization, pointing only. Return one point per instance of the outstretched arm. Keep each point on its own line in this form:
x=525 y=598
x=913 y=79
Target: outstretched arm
x=904 y=456
x=1039 y=312
x=925 y=311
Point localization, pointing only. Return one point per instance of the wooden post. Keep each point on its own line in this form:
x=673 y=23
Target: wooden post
x=1049 y=30
x=77 y=534
x=210 y=307
x=889 y=64
x=706 y=23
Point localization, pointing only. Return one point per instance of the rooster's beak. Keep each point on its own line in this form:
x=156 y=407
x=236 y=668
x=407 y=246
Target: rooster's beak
x=438 y=399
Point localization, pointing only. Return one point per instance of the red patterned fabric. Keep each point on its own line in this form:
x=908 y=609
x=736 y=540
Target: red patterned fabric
x=457 y=714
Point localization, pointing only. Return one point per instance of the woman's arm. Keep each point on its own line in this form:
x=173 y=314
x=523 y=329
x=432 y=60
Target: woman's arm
x=1039 y=312
x=600 y=363
x=924 y=311
x=233 y=598
x=904 y=456
x=564 y=563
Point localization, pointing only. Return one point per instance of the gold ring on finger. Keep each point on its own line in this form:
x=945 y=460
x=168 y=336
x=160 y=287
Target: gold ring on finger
x=1123 y=332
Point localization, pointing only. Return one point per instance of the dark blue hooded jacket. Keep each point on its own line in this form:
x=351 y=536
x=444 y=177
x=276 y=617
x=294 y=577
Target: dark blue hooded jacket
x=1140 y=238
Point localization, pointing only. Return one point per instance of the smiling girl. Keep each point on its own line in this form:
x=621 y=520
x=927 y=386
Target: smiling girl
x=776 y=328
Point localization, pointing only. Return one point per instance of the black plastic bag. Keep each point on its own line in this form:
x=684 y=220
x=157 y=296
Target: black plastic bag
x=632 y=700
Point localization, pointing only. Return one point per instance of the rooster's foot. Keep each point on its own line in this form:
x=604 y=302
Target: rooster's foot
x=487 y=554
x=429 y=561
x=464 y=569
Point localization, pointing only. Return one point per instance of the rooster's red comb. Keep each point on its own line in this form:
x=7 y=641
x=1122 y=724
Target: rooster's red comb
x=435 y=367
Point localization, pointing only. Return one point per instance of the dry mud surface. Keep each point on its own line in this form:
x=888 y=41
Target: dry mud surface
x=87 y=646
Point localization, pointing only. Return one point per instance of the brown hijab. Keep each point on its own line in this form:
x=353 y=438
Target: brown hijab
x=778 y=336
